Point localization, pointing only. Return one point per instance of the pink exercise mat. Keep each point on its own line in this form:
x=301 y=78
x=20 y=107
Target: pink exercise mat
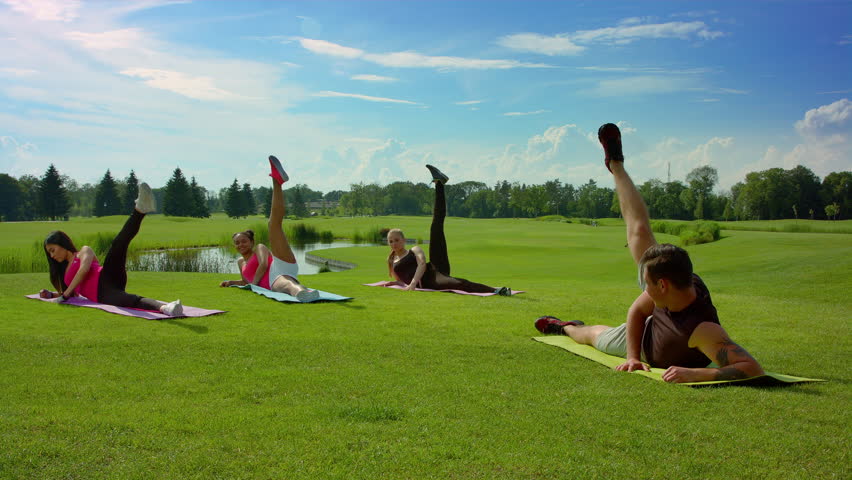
x=401 y=286
x=132 y=312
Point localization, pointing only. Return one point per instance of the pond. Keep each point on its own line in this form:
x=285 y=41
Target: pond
x=222 y=260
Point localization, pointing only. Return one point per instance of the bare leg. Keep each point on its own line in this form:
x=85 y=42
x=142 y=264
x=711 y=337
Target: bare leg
x=634 y=211
x=278 y=243
x=585 y=334
x=288 y=285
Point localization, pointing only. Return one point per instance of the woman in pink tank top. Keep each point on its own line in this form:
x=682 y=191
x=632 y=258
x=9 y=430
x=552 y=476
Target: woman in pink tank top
x=77 y=272
x=276 y=265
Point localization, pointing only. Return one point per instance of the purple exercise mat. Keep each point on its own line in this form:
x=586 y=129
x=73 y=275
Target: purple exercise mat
x=400 y=286
x=132 y=312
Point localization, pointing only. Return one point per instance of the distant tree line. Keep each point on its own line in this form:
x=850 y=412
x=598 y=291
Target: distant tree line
x=766 y=195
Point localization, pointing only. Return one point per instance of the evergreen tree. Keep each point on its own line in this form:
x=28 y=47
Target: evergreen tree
x=249 y=205
x=128 y=202
x=177 y=198
x=199 y=200
x=106 y=197
x=52 y=197
x=10 y=198
x=234 y=201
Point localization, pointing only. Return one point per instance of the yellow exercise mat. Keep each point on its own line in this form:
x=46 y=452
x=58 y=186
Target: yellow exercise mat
x=566 y=343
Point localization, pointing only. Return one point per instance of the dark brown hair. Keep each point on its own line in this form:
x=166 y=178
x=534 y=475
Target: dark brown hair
x=57 y=269
x=667 y=261
x=248 y=233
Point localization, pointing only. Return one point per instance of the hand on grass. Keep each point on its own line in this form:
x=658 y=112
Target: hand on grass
x=631 y=365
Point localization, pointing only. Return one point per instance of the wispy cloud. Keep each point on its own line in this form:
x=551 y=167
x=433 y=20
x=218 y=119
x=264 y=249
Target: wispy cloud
x=642 y=84
x=834 y=92
x=46 y=10
x=469 y=102
x=374 y=78
x=368 y=98
x=111 y=40
x=541 y=44
x=695 y=14
x=627 y=31
x=624 y=34
x=733 y=91
x=523 y=114
x=708 y=100
x=412 y=59
x=16 y=72
x=200 y=88
x=845 y=40
x=654 y=70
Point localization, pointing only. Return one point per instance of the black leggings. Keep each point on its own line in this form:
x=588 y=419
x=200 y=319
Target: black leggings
x=113 y=279
x=437 y=275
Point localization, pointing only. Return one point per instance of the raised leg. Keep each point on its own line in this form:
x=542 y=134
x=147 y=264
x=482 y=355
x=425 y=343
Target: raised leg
x=278 y=243
x=634 y=211
x=115 y=263
x=438 y=255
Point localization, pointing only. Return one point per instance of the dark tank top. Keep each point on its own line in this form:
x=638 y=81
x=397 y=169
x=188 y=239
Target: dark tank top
x=406 y=267
x=665 y=341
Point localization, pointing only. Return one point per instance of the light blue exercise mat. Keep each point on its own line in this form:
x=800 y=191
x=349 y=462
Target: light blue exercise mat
x=591 y=353
x=283 y=297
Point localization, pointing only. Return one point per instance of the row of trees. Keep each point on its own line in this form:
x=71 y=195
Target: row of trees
x=770 y=194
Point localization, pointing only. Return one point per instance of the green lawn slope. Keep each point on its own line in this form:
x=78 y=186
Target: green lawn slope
x=428 y=385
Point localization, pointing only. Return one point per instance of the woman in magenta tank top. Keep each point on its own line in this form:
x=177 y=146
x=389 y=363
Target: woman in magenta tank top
x=410 y=266
x=273 y=268
x=77 y=272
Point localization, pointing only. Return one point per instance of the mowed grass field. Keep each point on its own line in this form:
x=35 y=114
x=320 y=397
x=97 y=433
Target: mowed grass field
x=424 y=385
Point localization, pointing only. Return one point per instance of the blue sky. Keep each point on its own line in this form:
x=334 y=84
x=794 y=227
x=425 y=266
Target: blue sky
x=346 y=92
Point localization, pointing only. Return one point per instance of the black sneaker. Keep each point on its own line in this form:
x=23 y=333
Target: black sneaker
x=610 y=137
x=505 y=291
x=437 y=175
x=553 y=326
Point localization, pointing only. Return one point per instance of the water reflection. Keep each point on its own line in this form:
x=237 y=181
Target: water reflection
x=219 y=260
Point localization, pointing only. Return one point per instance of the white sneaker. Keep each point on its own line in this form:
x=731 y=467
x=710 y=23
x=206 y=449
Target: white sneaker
x=146 y=203
x=174 y=309
x=307 y=296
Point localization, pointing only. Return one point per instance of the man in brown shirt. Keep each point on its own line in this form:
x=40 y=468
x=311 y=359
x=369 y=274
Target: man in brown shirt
x=673 y=323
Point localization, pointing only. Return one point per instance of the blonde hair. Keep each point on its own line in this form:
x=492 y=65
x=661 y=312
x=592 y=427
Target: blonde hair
x=390 y=255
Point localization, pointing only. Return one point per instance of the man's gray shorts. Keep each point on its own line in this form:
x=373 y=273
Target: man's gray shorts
x=613 y=341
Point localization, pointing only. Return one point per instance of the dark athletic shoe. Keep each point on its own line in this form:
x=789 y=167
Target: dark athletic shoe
x=553 y=326
x=504 y=291
x=278 y=174
x=610 y=137
x=437 y=175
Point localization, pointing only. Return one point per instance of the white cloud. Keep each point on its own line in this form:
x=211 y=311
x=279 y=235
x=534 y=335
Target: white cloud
x=845 y=40
x=541 y=44
x=469 y=102
x=46 y=10
x=17 y=72
x=374 y=78
x=111 y=40
x=200 y=88
x=411 y=59
x=624 y=34
x=368 y=98
x=327 y=48
x=19 y=151
x=523 y=114
x=733 y=91
x=827 y=120
x=656 y=70
x=641 y=85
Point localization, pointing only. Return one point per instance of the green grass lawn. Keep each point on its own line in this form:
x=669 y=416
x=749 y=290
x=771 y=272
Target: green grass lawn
x=425 y=385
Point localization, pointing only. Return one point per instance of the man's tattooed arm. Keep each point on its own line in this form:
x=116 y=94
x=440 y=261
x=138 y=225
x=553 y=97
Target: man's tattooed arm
x=727 y=372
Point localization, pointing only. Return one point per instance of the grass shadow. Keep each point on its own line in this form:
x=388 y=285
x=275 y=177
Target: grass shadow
x=200 y=329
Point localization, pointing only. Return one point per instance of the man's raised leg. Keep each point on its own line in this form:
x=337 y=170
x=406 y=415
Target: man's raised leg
x=633 y=209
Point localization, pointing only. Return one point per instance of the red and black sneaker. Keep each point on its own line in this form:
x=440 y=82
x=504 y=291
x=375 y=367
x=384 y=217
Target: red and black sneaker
x=610 y=137
x=553 y=326
x=278 y=174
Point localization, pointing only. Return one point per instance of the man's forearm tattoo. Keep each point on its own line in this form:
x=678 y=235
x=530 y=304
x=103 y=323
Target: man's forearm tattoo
x=728 y=345
x=730 y=373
